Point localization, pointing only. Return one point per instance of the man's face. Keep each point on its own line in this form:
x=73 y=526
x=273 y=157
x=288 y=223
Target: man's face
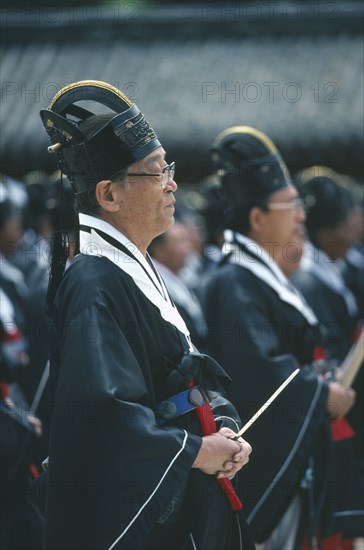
x=147 y=208
x=282 y=231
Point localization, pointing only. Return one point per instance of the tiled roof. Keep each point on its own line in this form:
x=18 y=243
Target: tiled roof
x=305 y=90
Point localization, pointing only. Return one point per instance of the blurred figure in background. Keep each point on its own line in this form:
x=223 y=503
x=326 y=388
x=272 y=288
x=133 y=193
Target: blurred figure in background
x=192 y=269
x=261 y=329
x=170 y=252
x=32 y=254
x=12 y=284
x=19 y=429
x=331 y=231
x=352 y=267
x=204 y=219
x=14 y=292
x=329 y=208
x=11 y=231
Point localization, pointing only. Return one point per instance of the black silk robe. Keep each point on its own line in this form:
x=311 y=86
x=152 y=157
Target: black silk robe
x=340 y=326
x=259 y=340
x=332 y=312
x=116 y=479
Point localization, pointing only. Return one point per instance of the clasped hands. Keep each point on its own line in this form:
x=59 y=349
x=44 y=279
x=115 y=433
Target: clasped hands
x=220 y=455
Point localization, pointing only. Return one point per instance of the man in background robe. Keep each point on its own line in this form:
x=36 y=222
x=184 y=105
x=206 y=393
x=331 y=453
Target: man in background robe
x=261 y=330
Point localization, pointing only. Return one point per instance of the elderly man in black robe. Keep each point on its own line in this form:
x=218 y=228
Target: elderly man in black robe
x=136 y=459
x=261 y=330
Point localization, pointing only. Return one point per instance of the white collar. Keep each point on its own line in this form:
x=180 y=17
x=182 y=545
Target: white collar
x=136 y=265
x=262 y=254
x=268 y=272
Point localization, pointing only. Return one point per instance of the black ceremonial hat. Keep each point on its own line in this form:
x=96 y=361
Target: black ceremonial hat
x=119 y=139
x=249 y=164
x=327 y=201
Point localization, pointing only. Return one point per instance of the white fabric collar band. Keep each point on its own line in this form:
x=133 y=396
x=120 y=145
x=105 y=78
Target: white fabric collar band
x=91 y=244
x=270 y=274
x=262 y=254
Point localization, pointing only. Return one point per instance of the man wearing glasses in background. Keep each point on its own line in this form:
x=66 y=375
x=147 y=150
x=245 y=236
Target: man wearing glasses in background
x=261 y=330
x=130 y=453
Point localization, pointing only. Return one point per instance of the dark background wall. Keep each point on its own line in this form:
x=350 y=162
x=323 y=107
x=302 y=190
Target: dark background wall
x=291 y=69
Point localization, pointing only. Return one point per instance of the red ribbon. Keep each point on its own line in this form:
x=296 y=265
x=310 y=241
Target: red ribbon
x=341 y=429
x=208 y=426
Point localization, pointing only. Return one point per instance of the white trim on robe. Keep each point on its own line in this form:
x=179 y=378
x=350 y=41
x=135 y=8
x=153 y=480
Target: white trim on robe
x=140 y=270
x=266 y=269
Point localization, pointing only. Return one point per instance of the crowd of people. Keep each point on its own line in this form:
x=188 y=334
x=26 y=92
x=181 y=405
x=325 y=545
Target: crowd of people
x=138 y=337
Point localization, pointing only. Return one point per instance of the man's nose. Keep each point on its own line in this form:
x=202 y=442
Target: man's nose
x=171 y=185
x=301 y=213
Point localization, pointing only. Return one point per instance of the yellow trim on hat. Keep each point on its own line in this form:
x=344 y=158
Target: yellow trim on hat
x=318 y=172
x=96 y=83
x=247 y=130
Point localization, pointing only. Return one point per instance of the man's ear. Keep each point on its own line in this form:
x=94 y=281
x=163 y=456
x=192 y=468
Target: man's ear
x=255 y=219
x=106 y=193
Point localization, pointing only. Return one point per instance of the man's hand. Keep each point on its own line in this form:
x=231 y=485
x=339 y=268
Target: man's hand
x=221 y=456
x=339 y=401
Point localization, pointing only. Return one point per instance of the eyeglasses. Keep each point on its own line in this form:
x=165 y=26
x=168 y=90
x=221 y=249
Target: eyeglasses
x=167 y=173
x=293 y=204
